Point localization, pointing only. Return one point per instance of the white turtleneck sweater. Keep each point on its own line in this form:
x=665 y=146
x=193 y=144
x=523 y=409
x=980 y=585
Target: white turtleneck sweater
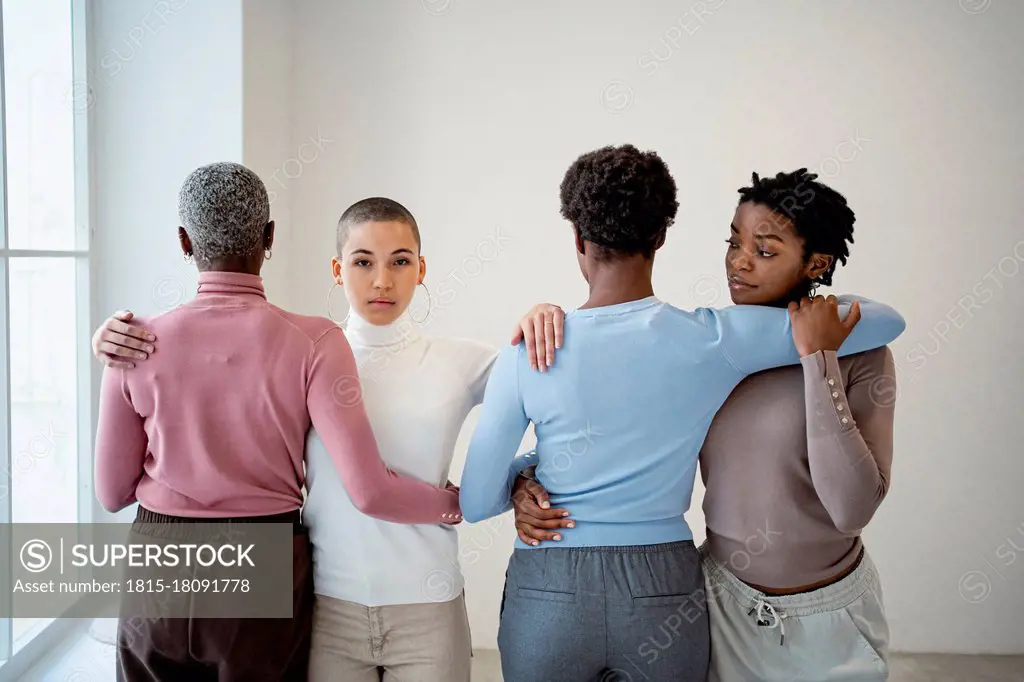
x=417 y=391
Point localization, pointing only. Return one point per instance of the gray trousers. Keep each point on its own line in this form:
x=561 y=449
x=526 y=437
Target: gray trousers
x=605 y=614
x=837 y=633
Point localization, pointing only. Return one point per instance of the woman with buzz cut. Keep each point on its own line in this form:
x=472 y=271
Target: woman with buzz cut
x=214 y=426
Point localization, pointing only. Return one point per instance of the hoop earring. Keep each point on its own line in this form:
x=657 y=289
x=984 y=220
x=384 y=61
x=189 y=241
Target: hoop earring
x=331 y=317
x=429 y=305
x=187 y=257
x=267 y=254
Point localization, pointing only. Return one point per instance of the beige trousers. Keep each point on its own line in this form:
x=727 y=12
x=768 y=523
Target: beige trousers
x=401 y=643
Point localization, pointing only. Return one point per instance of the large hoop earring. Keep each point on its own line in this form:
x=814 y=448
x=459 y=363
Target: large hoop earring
x=267 y=253
x=429 y=306
x=331 y=317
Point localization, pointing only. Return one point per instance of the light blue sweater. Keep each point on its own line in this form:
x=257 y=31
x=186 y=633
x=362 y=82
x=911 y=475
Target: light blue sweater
x=621 y=415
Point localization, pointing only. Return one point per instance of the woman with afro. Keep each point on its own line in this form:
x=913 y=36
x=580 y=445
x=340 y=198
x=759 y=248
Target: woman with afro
x=620 y=420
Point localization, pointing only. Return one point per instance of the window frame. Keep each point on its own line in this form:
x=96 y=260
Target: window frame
x=46 y=636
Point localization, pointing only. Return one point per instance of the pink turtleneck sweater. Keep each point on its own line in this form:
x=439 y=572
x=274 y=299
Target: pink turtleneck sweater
x=214 y=422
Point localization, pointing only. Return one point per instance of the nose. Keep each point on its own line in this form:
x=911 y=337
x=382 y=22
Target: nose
x=382 y=280
x=740 y=260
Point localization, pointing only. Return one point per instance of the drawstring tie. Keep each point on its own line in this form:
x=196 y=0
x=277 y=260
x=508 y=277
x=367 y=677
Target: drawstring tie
x=764 y=610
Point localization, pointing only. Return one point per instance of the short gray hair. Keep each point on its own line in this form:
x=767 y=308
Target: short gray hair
x=224 y=208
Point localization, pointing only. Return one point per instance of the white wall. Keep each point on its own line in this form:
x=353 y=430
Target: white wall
x=167 y=88
x=470 y=112
x=266 y=144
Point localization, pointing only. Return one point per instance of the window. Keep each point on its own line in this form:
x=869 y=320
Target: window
x=45 y=424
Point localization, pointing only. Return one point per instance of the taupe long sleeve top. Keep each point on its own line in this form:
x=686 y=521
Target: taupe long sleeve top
x=796 y=463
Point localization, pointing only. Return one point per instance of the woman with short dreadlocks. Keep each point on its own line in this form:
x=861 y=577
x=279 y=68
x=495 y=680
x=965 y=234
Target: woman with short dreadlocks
x=795 y=464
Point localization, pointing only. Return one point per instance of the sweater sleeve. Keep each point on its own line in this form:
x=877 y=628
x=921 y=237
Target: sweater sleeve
x=121 y=444
x=850 y=434
x=755 y=338
x=486 y=478
x=335 y=403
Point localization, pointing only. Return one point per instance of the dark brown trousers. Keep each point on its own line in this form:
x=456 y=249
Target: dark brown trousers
x=223 y=649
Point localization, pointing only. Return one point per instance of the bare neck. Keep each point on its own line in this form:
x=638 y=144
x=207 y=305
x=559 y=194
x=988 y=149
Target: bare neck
x=619 y=282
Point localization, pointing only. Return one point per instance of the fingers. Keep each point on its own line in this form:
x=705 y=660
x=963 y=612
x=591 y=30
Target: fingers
x=517 y=334
x=854 y=317
x=528 y=341
x=545 y=523
x=538 y=332
x=539 y=493
x=134 y=335
x=559 y=322
x=116 y=364
x=119 y=322
x=549 y=338
x=115 y=351
x=534 y=536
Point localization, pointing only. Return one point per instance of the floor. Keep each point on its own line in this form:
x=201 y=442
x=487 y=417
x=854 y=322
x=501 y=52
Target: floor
x=91 y=659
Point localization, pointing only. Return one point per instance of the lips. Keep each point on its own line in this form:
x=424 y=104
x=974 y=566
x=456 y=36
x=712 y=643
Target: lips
x=382 y=302
x=738 y=283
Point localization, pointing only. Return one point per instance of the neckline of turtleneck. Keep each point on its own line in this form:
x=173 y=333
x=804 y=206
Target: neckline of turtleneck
x=364 y=333
x=219 y=282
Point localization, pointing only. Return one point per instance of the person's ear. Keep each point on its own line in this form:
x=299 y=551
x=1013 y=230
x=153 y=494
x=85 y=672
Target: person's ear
x=185 y=241
x=817 y=265
x=336 y=271
x=268 y=235
x=581 y=246
x=423 y=269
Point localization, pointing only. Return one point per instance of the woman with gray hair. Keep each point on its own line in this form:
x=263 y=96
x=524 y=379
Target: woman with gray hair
x=214 y=429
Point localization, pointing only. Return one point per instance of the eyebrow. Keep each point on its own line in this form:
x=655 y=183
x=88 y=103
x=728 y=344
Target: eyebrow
x=370 y=253
x=769 y=235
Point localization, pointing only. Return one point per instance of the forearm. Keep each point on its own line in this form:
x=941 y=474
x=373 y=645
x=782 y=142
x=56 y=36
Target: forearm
x=334 y=401
x=487 y=478
x=373 y=488
x=756 y=338
x=844 y=468
x=120 y=448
